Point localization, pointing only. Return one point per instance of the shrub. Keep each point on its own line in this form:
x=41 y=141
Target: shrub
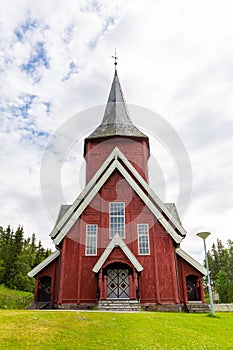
x=14 y=299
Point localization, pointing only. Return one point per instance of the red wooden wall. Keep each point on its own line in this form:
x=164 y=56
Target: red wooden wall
x=97 y=150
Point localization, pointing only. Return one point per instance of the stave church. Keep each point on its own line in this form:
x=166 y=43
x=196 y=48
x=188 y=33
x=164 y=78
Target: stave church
x=117 y=247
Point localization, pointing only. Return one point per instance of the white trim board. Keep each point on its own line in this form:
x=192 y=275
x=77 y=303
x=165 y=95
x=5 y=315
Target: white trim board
x=82 y=196
x=44 y=263
x=191 y=261
x=117 y=242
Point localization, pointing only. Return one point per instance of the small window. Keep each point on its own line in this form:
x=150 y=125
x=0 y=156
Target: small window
x=143 y=239
x=91 y=239
x=117 y=219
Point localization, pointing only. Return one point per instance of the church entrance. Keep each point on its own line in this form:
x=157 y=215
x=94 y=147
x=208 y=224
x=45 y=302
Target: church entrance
x=192 y=285
x=118 y=283
x=44 y=289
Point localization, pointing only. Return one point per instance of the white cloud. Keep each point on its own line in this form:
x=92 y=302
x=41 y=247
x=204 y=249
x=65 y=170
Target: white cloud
x=175 y=57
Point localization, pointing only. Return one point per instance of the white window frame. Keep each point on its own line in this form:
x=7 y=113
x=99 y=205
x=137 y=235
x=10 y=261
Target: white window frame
x=117 y=220
x=143 y=237
x=91 y=237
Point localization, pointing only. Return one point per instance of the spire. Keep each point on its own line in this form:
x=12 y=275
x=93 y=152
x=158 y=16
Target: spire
x=116 y=120
x=115 y=60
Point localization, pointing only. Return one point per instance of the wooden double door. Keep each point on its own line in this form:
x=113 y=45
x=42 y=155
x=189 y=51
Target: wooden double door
x=118 y=283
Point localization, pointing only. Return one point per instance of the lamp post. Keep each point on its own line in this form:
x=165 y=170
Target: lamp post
x=204 y=235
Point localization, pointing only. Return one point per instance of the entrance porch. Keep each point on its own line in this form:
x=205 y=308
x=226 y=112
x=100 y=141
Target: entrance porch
x=118 y=281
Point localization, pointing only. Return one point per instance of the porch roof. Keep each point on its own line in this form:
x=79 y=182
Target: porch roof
x=117 y=241
x=191 y=261
x=44 y=263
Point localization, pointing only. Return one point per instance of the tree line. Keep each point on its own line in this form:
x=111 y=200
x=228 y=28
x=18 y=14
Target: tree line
x=220 y=260
x=18 y=255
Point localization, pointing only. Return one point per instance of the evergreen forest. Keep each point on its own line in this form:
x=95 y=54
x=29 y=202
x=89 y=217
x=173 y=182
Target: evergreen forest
x=18 y=255
x=220 y=260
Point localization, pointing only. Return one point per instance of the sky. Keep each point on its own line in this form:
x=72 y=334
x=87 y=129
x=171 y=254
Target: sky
x=175 y=64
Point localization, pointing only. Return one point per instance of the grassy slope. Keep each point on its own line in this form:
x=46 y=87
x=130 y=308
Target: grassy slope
x=14 y=299
x=93 y=330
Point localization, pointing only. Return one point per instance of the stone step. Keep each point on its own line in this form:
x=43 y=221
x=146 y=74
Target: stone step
x=197 y=307
x=163 y=307
x=40 y=306
x=117 y=302
x=118 y=309
x=119 y=305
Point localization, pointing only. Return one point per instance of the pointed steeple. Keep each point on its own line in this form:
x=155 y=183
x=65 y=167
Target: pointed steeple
x=116 y=120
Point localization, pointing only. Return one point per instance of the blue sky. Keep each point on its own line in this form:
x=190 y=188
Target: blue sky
x=175 y=58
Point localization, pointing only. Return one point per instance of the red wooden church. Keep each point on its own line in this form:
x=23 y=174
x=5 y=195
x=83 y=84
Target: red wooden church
x=118 y=243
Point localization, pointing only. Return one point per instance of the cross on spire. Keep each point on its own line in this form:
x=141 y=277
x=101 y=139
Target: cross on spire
x=115 y=58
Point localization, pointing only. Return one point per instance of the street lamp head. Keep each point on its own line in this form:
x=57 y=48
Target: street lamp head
x=203 y=235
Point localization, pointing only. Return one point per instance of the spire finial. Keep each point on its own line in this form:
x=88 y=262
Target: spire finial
x=115 y=58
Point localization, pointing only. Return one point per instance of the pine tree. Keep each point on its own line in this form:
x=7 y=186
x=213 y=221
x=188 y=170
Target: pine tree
x=17 y=257
x=220 y=261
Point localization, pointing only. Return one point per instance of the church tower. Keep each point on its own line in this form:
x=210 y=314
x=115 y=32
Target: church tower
x=116 y=129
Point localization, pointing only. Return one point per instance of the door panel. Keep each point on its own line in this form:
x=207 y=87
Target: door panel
x=191 y=282
x=118 y=283
x=44 y=289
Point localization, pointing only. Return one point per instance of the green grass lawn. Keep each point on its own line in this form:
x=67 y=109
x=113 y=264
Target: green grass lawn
x=96 y=330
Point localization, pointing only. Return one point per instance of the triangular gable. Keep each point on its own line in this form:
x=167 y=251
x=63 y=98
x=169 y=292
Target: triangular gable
x=117 y=242
x=88 y=188
x=191 y=261
x=139 y=185
x=44 y=263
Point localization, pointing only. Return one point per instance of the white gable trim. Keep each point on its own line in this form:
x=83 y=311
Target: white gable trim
x=82 y=195
x=44 y=263
x=150 y=191
x=97 y=182
x=150 y=205
x=191 y=261
x=117 y=242
x=85 y=203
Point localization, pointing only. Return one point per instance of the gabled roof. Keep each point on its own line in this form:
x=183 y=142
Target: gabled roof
x=44 y=263
x=118 y=161
x=172 y=209
x=117 y=242
x=62 y=211
x=116 y=120
x=191 y=261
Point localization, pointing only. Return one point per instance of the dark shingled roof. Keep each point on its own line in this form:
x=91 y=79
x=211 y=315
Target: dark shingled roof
x=172 y=208
x=116 y=120
x=62 y=211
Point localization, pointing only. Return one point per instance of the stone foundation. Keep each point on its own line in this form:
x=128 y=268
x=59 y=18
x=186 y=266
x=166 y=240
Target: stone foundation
x=223 y=307
x=77 y=306
x=163 y=307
